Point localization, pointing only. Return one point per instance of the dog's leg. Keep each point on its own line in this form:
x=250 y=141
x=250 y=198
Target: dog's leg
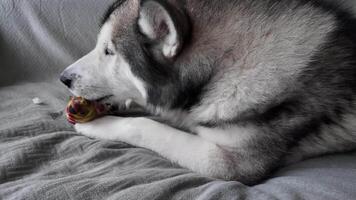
x=183 y=148
x=188 y=150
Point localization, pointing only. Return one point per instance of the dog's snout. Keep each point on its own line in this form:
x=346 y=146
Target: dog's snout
x=66 y=80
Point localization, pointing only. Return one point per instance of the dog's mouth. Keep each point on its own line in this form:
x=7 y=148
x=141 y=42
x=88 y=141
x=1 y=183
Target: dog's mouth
x=113 y=104
x=109 y=102
x=127 y=108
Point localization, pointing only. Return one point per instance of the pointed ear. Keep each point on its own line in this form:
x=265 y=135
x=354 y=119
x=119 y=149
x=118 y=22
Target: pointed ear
x=165 y=26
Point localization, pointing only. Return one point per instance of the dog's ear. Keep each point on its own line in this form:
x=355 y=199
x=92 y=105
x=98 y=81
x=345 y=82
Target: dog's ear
x=165 y=26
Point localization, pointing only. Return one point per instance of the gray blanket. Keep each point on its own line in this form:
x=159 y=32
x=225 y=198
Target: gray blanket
x=41 y=157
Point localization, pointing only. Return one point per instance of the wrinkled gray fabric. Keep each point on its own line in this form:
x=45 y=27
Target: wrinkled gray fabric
x=39 y=38
x=41 y=157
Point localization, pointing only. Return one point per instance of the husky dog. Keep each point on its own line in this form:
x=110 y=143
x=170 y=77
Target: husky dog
x=245 y=86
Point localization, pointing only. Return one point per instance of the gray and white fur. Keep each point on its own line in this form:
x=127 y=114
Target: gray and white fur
x=245 y=86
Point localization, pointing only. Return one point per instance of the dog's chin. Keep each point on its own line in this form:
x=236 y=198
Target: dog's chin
x=108 y=99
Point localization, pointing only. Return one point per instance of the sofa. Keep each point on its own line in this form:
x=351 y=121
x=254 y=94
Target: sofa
x=42 y=157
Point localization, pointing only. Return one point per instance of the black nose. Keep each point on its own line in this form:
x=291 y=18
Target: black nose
x=66 y=80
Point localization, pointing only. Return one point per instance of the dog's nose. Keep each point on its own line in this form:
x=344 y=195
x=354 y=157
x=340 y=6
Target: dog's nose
x=66 y=80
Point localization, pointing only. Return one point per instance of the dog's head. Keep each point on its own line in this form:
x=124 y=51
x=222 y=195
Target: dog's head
x=136 y=57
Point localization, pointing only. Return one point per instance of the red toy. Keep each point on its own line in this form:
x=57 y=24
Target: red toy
x=80 y=110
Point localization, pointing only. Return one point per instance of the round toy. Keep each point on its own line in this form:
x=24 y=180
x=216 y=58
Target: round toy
x=80 y=110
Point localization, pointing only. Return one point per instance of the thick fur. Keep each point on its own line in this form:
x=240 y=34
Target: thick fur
x=249 y=85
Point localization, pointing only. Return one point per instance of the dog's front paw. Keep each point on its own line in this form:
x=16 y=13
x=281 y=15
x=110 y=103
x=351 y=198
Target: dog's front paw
x=110 y=128
x=86 y=129
x=97 y=128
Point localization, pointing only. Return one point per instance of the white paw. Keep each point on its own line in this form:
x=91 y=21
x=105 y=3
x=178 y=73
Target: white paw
x=96 y=128
x=86 y=129
x=110 y=128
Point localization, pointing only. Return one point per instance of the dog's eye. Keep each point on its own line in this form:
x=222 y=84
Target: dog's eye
x=108 y=52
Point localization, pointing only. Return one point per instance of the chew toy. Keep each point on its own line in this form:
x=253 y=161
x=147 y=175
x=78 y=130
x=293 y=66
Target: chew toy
x=80 y=110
